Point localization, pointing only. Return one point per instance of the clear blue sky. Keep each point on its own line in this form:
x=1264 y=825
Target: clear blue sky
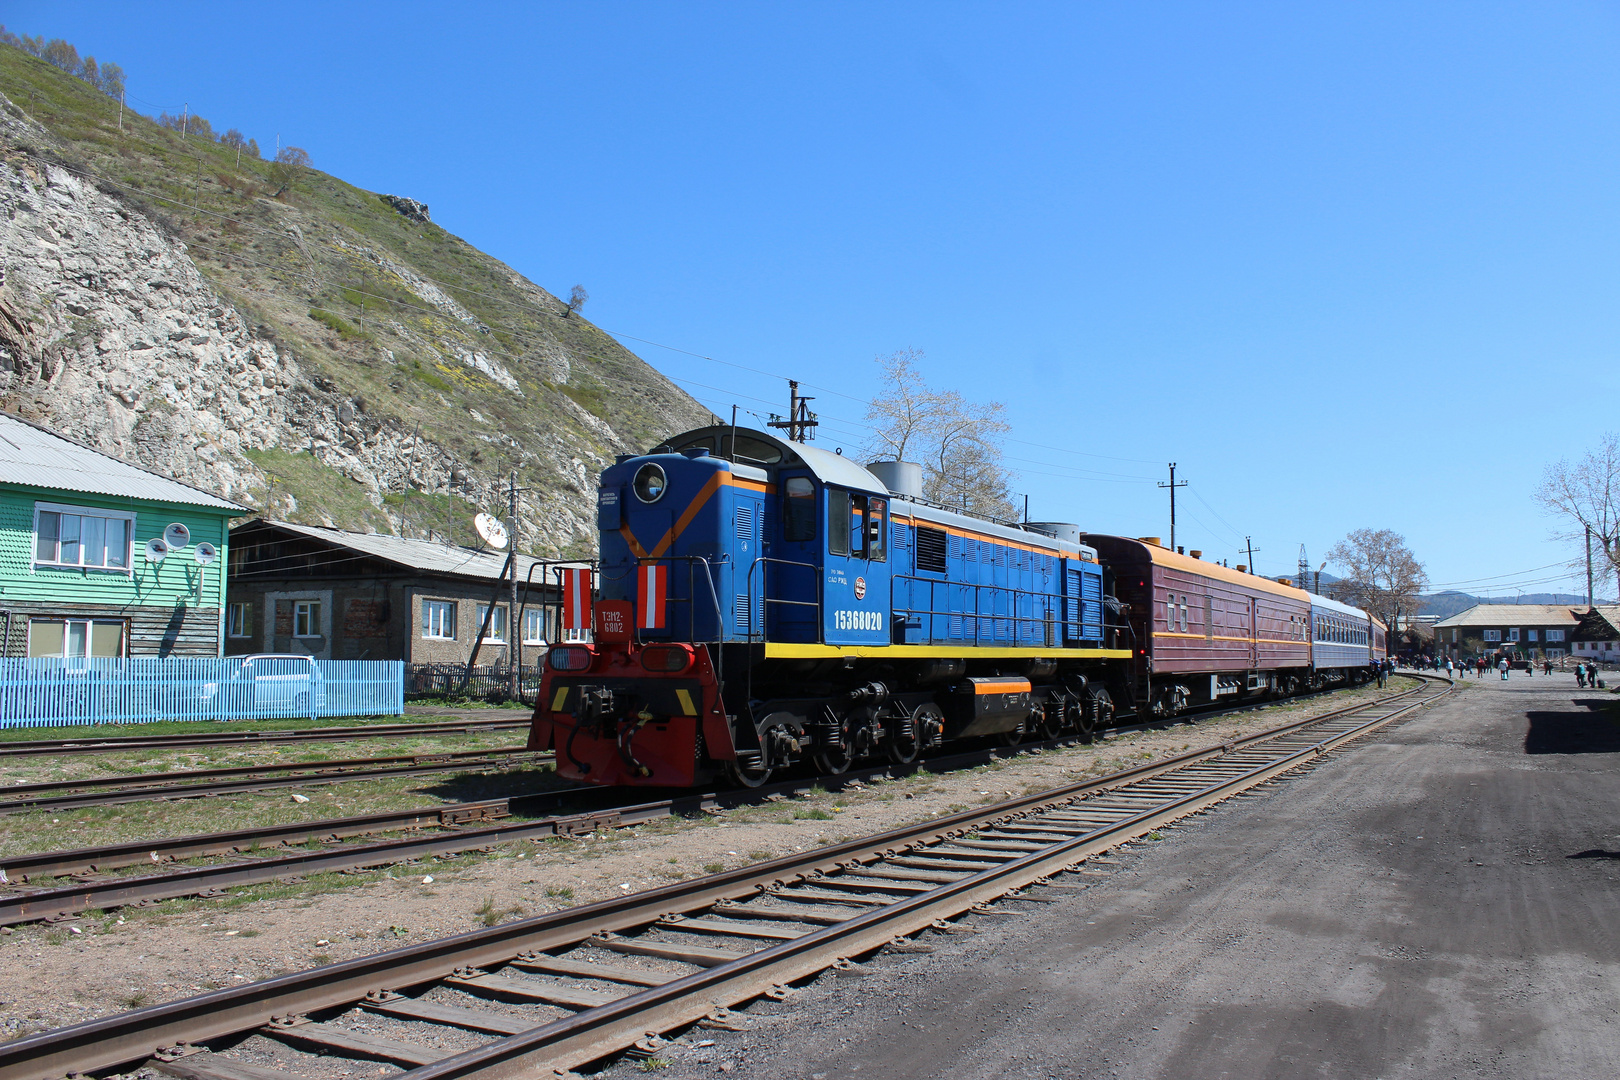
x=1347 y=264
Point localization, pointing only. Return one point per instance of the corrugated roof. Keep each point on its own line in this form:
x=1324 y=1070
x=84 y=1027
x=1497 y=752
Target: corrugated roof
x=1511 y=615
x=31 y=455
x=422 y=555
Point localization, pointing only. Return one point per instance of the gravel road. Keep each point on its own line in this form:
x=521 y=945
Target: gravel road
x=1439 y=901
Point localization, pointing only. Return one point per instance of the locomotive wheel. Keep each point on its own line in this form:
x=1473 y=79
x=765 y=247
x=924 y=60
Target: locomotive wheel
x=903 y=748
x=833 y=760
x=1050 y=725
x=1013 y=737
x=745 y=776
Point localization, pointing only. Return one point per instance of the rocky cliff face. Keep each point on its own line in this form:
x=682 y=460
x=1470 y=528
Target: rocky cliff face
x=319 y=357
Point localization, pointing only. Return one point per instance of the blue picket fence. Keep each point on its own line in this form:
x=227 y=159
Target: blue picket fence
x=51 y=691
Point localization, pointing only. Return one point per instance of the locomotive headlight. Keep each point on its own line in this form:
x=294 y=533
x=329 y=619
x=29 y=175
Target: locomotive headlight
x=568 y=658
x=650 y=483
x=668 y=659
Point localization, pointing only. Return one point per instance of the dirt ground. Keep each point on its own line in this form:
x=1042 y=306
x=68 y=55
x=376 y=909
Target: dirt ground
x=1440 y=901
x=105 y=963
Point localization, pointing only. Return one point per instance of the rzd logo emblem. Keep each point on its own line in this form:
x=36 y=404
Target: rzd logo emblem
x=860 y=588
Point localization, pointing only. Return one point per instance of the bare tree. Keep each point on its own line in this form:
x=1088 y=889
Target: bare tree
x=1382 y=576
x=61 y=54
x=1584 y=495
x=576 y=299
x=957 y=442
x=288 y=167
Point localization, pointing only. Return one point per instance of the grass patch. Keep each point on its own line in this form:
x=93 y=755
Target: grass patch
x=713 y=868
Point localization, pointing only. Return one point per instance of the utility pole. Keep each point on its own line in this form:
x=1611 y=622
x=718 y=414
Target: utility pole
x=185 y=119
x=1589 y=568
x=121 y=98
x=515 y=649
x=801 y=422
x=1026 y=509
x=1172 y=485
x=1248 y=543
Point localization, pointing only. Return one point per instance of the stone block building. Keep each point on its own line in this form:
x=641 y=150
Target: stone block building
x=340 y=595
x=1519 y=631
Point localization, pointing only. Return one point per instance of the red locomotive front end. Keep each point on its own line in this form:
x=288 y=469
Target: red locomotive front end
x=616 y=711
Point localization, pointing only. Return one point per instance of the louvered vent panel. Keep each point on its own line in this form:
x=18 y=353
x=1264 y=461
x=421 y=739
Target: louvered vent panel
x=745 y=521
x=931 y=549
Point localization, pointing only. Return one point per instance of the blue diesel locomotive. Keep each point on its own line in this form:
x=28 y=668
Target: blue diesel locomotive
x=762 y=603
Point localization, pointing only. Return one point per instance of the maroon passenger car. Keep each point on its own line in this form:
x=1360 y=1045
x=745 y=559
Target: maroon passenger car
x=1205 y=632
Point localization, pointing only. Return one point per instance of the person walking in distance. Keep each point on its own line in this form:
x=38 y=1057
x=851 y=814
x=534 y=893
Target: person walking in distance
x=1502 y=666
x=1580 y=676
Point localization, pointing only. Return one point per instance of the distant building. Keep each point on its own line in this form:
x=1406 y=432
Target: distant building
x=75 y=580
x=365 y=596
x=1597 y=636
x=1522 y=631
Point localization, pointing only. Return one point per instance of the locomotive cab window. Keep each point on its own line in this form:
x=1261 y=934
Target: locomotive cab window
x=838 y=521
x=877 y=524
x=799 y=509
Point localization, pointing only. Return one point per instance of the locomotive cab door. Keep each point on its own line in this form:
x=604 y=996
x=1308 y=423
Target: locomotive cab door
x=855 y=576
x=789 y=580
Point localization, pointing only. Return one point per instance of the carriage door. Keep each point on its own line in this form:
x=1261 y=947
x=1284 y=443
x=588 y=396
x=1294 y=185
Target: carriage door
x=855 y=578
x=1254 y=632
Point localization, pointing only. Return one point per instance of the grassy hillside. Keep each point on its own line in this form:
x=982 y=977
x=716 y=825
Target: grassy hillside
x=389 y=317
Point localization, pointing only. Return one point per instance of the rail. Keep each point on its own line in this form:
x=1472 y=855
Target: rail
x=787 y=919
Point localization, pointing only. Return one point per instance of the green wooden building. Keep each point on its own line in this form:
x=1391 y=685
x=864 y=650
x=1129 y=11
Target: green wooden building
x=78 y=569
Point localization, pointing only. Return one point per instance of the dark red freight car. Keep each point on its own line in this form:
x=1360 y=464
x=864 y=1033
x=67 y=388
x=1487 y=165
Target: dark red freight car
x=1204 y=632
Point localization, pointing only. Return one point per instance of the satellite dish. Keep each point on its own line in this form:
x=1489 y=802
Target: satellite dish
x=156 y=550
x=177 y=535
x=205 y=554
x=493 y=532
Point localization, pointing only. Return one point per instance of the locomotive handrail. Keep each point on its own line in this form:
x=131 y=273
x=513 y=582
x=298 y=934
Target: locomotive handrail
x=1047 y=620
x=691 y=612
x=762 y=561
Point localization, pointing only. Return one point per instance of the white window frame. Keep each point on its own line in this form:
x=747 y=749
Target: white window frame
x=1531 y=635
x=442 y=607
x=1513 y=635
x=1554 y=635
x=127 y=570
x=497 y=625
x=310 y=612
x=537 y=617
x=1493 y=635
x=239 y=619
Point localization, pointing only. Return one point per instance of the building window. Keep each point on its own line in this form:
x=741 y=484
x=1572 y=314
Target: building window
x=1555 y=635
x=497 y=625
x=1493 y=635
x=1513 y=634
x=1531 y=636
x=67 y=536
x=534 y=626
x=307 y=619
x=439 y=619
x=75 y=638
x=239 y=620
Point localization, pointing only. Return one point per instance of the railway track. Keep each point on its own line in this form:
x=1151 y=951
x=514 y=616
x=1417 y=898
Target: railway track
x=260 y=855
x=572 y=987
x=120 y=744
x=198 y=783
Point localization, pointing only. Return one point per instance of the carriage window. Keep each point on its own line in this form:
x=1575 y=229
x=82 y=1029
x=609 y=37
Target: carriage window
x=876 y=530
x=838 y=521
x=799 y=509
